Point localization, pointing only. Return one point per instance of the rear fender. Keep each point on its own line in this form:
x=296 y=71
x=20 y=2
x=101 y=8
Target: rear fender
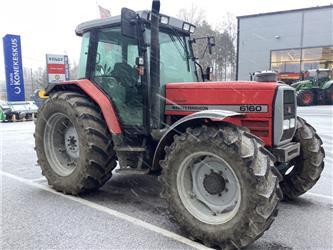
x=181 y=125
x=306 y=84
x=96 y=95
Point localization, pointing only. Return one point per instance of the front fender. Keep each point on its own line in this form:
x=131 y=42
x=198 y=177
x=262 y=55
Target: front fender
x=181 y=125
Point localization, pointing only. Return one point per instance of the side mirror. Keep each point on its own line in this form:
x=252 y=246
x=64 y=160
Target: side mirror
x=211 y=43
x=128 y=23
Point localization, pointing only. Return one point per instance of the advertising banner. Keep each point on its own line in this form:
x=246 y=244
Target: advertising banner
x=13 y=68
x=57 y=68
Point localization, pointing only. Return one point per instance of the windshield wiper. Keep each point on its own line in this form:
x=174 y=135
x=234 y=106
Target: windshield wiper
x=182 y=42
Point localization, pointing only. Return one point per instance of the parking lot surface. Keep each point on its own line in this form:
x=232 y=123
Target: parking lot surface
x=127 y=213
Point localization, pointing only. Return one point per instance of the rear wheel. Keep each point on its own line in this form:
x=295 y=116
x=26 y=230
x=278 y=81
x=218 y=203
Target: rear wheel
x=73 y=144
x=220 y=185
x=305 y=98
x=305 y=170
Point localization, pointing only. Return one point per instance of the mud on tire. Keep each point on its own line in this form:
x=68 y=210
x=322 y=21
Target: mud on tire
x=254 y=168
x=308 y=166
x=96 y=156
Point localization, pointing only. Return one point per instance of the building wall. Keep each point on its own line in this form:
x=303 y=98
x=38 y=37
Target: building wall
x=259 y=34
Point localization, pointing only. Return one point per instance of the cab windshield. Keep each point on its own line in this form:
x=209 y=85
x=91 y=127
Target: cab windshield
x=176 y=64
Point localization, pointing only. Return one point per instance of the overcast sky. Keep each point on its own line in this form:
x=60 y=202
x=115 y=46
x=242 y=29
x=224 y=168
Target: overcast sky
x=48 y=26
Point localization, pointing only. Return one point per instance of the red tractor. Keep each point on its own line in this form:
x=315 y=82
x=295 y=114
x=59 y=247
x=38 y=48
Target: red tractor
x=225 y=152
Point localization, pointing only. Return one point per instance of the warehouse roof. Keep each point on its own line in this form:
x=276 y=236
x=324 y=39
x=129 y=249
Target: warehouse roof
x=287 y=11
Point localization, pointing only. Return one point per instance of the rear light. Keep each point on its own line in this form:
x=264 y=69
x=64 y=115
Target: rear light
x=258 y=128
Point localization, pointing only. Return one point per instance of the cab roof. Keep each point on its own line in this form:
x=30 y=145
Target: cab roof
x=115 y=20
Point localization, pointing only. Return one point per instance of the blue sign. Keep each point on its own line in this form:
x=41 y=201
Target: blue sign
x=13 y=67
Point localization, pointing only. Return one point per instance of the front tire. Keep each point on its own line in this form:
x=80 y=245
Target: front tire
x=329 y=95
x=73 y=144
x=220 y=185
x=305 y=170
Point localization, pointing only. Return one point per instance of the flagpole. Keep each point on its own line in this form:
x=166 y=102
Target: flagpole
x=97 y=10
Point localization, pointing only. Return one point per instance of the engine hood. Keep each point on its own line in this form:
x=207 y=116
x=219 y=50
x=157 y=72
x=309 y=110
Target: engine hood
x=245 y=85
x=252 y=98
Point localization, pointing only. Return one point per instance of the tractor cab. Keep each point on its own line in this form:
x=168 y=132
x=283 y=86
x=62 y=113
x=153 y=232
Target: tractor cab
x=115 y=55
x=318 y=76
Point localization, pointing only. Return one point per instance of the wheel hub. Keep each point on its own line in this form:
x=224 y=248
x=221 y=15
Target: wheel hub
x=208 y=188
x=71 y=142
x=214 y=183
x=61 y=144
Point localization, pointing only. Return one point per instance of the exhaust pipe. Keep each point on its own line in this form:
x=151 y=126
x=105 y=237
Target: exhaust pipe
x=155 y=65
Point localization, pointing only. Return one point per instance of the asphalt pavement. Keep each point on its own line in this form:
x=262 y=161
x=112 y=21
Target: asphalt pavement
x=127 y=213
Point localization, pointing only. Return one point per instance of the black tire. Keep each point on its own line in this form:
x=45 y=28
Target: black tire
x=96 y=156
x=308 y=166
x=329 y=95
x=305 y=98
x=253 y=166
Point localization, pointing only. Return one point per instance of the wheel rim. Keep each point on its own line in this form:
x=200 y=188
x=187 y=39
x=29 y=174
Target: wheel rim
x=307 y=98
x=208 y=188
x=61 y=144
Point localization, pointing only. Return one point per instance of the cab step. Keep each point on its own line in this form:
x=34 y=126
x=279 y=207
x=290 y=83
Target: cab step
x=130 y=149
x=124 y=171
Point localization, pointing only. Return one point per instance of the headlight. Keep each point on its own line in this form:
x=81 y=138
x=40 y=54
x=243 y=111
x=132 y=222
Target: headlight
x=165 y=19
x=286 y=124
x=186 y=26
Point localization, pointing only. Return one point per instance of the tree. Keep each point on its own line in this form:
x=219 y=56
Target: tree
x=223 y=58
x=74 y=71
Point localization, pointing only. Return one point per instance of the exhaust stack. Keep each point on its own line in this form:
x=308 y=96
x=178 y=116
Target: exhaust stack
x=155 y=65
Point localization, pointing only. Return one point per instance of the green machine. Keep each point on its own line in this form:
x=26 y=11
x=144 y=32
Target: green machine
x=315 y=88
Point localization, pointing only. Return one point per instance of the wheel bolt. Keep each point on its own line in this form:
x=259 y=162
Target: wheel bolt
x=226 y=190
x=192 y=195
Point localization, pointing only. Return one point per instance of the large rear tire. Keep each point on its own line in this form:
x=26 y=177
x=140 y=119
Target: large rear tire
x=305 y=98
x=305 y=170
x=73 y=144
x=221 y=185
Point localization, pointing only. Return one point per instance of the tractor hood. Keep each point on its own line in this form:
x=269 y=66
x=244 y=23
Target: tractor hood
x=242 y=97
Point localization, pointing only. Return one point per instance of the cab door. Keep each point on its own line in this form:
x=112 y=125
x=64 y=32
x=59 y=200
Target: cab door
x=115 y=73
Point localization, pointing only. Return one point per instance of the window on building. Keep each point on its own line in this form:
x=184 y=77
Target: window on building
x=314 y=58
x=286 y=60
x=300 y=60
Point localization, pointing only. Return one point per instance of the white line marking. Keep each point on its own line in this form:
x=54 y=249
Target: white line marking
x=320 y=196
x=42 y=179
x=114 y=213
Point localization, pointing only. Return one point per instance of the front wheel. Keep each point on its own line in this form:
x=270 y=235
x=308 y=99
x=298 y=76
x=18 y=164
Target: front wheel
x=220 y=185
x=305 y=170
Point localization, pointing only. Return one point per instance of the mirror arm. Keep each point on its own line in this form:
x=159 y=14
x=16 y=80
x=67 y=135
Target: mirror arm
x=201 y=71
